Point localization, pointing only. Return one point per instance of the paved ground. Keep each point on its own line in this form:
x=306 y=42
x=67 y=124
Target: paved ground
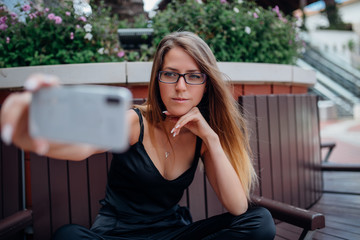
x=346 y=134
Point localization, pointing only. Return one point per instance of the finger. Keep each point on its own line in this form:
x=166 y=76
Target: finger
x=37 y=81
x=187 y=118
x=11 y=112
x=41 y=146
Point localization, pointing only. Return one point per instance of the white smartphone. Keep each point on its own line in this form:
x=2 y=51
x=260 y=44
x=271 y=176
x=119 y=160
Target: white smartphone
x=89 y=114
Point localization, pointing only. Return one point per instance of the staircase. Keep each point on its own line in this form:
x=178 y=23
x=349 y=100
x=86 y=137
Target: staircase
x=336 y=80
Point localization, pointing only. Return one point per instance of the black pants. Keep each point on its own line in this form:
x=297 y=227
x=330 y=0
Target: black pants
x=256 y=223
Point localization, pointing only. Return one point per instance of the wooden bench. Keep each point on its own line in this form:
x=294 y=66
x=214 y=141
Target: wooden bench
x=285 y=141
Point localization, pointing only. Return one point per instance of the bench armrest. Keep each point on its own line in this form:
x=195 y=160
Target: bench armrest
x=302 y=218
x=345 y=167
x=15 y=223
x=328 y=145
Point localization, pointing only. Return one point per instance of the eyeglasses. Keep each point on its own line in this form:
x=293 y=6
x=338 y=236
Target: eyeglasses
x=190 y=78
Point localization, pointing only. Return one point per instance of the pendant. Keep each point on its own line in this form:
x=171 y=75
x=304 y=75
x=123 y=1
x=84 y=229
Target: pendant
x=167 y=155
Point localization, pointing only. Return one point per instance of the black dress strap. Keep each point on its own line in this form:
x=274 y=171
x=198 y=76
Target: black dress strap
x=198 y=146
x=141 y=136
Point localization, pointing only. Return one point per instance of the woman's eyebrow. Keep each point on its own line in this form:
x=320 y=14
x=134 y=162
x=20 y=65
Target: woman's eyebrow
x=176 y=70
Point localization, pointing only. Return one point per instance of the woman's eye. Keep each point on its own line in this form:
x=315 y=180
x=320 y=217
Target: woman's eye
x=169 y=74
x=195 y=76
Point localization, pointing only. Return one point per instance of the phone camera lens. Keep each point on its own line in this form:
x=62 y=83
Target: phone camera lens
x=113 y=100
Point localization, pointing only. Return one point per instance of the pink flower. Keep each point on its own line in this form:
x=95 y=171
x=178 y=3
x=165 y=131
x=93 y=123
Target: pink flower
x=77 y=26
x=255 y=15
x=32 y=15
x=46 y=10
x=13 y=16
x=58 y=20
x=71 y=35
x=276 y=9
x=68 y=13
x=7 y=40
x=82 y=18
x=121 y=54
x=3 y=26
x=223 y=1
x=26 y=8
x=51 y=16
x=3 y=19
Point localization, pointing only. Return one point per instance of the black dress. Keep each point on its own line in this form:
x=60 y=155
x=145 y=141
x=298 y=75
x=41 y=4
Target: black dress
x=139 y=196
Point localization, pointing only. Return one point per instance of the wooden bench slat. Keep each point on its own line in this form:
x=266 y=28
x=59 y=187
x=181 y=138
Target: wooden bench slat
x=197 y=196
x=59 y=193
x=293 y=170
x=300 y=151
x=40 y=197
x=275 y=148
x=264 y=154
x=11 y=180
x=284 y=142
x=97 y=170
x=307 y=153
x=79 y=194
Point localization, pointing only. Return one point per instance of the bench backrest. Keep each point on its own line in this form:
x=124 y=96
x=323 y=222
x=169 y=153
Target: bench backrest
x=285 y=142
x=11 y=182
x=284 y=139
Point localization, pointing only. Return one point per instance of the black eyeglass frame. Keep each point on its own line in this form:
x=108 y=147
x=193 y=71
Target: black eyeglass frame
x=182 y=75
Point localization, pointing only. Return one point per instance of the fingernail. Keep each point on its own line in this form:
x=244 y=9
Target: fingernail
x=177 y=126
x=174 y=134
x=172 y=130
x=42 y=148
x=6 y=134
x=31 y=84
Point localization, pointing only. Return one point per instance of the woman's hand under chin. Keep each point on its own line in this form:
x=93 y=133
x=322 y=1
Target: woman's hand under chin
x=193 y=121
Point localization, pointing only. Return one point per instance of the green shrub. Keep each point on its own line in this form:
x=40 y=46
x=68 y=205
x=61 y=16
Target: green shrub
x=236 y=31
x=57 y=36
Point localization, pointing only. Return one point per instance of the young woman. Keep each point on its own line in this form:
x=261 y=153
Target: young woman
x=189 y=114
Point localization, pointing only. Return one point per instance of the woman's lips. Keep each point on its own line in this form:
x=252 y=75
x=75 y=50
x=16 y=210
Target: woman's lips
x=180 y=100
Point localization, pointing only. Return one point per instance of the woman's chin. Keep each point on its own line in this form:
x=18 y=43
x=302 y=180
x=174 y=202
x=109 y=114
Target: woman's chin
x=177 y=112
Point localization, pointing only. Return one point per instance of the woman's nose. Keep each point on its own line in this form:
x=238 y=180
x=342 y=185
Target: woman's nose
x=181 y=84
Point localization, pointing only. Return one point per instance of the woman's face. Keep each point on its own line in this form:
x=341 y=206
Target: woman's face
x=180 y=97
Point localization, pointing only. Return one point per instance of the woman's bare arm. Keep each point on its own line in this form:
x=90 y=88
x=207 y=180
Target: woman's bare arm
x=14 y=126
x=221 y=174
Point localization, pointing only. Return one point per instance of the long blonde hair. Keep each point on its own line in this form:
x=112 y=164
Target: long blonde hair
x=218 y=106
